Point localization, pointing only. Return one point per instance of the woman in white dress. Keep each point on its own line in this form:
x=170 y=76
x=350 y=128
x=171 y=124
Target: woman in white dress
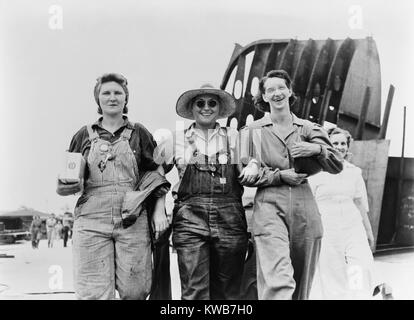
x=345 y=269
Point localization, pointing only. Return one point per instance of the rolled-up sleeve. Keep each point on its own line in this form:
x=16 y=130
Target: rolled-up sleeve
x=328 y=158
x=147 y=146
x=248 y=148
x=360 y=189
x=80 y=142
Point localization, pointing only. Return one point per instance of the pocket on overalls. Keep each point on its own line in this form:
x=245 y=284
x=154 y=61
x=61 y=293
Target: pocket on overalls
x=125 y=172
x=79 y=205
x=131 y=207
x=239 y=210
x=178 y=211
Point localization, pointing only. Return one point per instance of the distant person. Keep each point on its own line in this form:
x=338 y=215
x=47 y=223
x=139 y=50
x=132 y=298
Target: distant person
x=346 y=264
x=50 y=228
x=36 y=231
x=58 y=230
x=66 y=222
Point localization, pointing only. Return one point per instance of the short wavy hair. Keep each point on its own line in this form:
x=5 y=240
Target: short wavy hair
x=109 y=77
x=258 y=101
x=346 y=133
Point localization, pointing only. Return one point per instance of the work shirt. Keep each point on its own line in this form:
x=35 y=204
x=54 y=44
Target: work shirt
x=262 y=142
x=287 y=226
x=178 y=148
x=141 y=142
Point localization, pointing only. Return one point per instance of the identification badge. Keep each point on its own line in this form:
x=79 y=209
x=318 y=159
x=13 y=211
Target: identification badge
x=222 y=159
x=223 y=180
x=104 y=148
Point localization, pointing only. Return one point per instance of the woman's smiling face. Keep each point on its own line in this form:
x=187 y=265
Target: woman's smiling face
x=276 y=92
x=339 y=142
x=206 y=108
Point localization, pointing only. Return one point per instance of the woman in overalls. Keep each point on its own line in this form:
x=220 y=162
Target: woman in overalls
x=286 y=222
x=209 y=224
x=107 y=256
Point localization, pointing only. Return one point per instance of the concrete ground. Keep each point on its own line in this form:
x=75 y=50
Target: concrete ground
x=46 y=273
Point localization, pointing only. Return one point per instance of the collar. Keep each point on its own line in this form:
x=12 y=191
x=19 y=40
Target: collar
x=266 y=121
x=217 y=129
x=297 y=121
x=126 y=123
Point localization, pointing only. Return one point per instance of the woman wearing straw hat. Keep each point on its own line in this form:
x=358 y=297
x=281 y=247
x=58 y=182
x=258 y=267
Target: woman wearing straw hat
x=209 y=224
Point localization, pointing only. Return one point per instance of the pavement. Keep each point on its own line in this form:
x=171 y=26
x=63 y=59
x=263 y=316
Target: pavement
x=46 y=273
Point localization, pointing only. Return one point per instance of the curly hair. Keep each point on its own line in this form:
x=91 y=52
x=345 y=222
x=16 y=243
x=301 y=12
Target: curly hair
x=346 y=133
x=109 y=77
x=258 y=101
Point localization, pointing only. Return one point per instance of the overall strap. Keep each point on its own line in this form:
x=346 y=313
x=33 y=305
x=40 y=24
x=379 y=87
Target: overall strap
x=93 y=135
x=126 y=133
x=227 y=140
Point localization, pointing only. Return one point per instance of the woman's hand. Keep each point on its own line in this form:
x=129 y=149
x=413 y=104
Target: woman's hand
x=249 y=174
x=304 y=149
x=65 y=189
x=159 y=221
x=290 y=177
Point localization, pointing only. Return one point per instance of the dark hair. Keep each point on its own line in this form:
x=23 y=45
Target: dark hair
x=346 y=133
x=258 y=101
x=109 y=77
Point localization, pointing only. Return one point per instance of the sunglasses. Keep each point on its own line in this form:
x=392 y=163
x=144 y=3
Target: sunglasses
x=201 y=103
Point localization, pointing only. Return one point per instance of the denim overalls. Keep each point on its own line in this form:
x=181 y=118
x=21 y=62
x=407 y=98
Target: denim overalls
x=107 y=256
x=209 y=229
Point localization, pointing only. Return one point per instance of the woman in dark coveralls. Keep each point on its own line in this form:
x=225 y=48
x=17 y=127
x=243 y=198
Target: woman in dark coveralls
x=209 y=224
x=286 y=223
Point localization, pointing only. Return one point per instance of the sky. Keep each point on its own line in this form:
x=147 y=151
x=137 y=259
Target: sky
x=51 y=53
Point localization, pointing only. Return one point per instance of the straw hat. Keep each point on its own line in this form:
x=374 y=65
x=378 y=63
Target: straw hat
x=227 y=103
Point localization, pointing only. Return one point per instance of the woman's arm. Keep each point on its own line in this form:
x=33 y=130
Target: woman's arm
x=361 y=202
x=319 y=146
x=159 y=218
x=248 y=159
x=66 y=189
x=366 y=223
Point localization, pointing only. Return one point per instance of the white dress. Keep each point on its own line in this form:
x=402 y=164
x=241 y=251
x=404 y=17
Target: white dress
x=346 y=266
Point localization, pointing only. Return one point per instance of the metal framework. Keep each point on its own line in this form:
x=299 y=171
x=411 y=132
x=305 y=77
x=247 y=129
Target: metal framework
x=338 y=81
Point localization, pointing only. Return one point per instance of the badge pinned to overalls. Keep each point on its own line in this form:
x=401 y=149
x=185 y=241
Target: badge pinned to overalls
x=222 y=159
x=223 y=180
x=104 y=148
